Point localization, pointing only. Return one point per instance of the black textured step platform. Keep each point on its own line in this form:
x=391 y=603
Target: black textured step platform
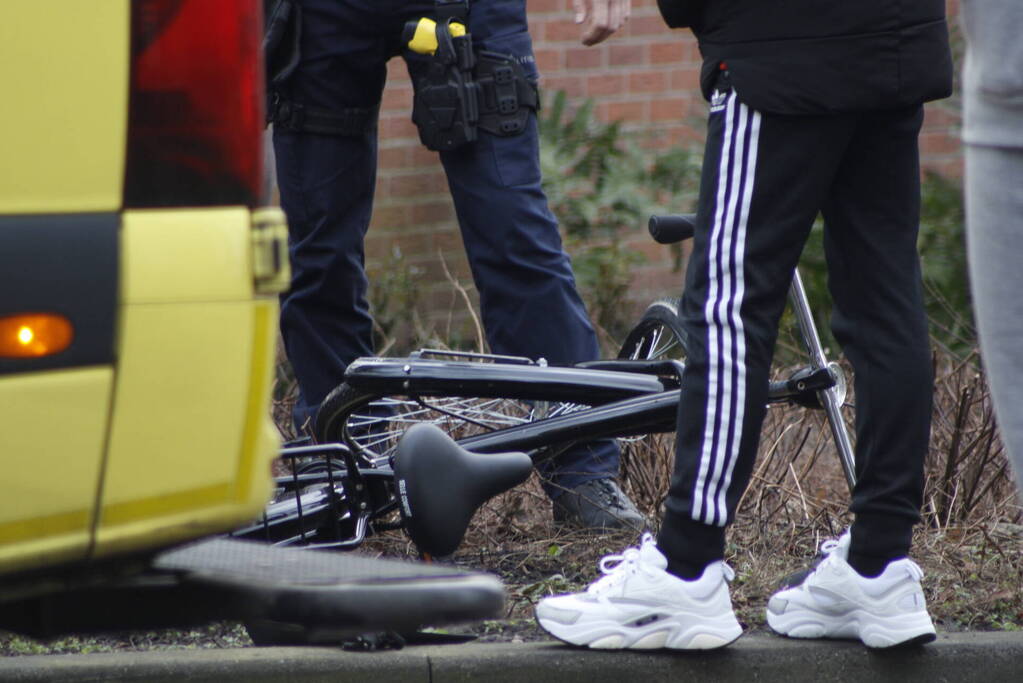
x=284 y=595
x=293 y=595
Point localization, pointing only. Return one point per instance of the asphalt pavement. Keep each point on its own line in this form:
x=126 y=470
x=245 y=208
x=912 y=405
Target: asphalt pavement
x=957 y=657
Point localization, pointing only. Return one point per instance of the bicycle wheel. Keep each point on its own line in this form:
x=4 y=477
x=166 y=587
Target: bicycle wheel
x=371 y=423
x=659 y=334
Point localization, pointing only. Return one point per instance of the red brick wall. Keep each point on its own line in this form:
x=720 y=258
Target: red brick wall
x=645 y=75
x=939 y=139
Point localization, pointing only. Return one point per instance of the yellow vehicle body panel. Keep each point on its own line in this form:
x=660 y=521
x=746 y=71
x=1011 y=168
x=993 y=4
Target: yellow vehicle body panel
x=54 y=436
x=167 y=437
x=65 y=72
x=191 y=437
x=186 y=256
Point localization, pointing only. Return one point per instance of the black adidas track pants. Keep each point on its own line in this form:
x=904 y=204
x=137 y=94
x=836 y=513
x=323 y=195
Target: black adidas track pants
x=765 y=178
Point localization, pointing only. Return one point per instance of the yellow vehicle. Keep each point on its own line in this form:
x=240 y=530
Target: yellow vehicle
x=138 y=283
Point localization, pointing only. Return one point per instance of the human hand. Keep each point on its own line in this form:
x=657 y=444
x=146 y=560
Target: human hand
x=600 y=18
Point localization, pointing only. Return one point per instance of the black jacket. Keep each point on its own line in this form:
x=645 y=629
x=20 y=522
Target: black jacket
x=821 y=56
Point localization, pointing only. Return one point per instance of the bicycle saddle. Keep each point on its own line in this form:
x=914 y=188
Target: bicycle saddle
x=440 y=485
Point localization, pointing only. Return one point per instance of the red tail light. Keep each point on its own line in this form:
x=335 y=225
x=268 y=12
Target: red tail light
x=196 y=105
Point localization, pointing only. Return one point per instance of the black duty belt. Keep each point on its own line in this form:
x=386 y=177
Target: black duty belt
x=293 y=116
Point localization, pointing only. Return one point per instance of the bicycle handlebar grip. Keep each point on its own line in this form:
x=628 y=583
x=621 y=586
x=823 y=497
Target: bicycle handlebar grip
x=672 y=227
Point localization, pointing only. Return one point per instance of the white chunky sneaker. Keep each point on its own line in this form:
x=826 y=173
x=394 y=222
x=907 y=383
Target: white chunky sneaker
x=834 y=601
x=638 y=605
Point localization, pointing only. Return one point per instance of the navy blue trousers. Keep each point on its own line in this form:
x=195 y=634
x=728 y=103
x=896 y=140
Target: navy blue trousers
x=765 y=178
x=530 y=306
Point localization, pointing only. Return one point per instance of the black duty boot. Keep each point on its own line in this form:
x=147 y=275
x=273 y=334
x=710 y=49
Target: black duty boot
x=598 y=504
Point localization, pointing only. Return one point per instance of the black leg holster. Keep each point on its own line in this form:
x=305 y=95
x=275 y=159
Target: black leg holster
x=446 y=104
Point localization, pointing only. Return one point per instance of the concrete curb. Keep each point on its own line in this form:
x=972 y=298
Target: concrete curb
x=961 y=657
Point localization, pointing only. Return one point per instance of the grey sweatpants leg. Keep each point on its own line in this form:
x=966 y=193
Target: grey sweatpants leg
x=994 y=219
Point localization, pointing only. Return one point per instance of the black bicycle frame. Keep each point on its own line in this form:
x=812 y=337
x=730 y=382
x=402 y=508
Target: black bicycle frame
x=653 y=410
x=624 y=398
x=629 y=398
x=511 y=377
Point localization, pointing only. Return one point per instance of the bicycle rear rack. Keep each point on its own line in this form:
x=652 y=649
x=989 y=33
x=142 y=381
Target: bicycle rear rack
x=497 y=358
x=324 y=501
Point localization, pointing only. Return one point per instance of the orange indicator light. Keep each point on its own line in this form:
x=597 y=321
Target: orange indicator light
x=33 y=335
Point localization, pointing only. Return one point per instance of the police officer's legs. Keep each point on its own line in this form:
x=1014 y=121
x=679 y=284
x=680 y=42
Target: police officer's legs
x=528 y=297
x=326 y=183
x=871 y=223
x=527 y=292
